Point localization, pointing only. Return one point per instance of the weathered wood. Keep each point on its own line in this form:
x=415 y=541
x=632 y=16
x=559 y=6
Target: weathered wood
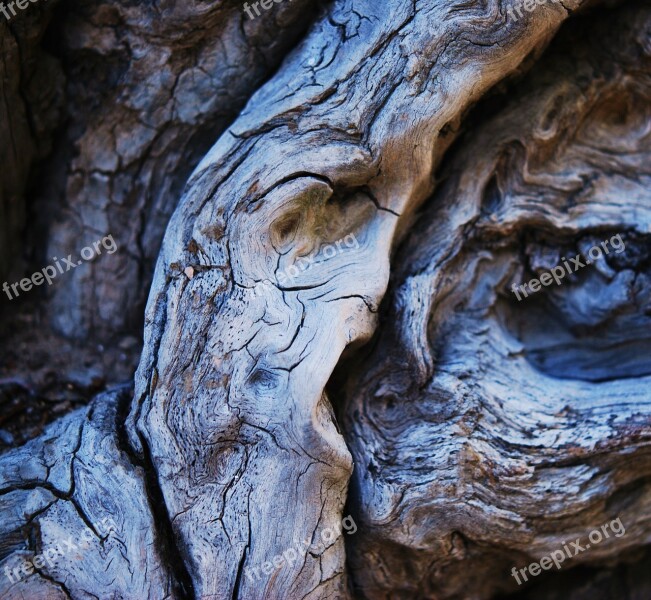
x=75 y=496
x=100 y=139
x=483 y=432
x=488 y=432
x=184 y=71
x=230 y=405
x=105 y=109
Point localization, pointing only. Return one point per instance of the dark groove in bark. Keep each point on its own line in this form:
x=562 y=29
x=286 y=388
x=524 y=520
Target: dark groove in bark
x=169 y=549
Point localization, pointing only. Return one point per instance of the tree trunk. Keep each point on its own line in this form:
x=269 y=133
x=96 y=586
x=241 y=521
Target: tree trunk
x=333 y=335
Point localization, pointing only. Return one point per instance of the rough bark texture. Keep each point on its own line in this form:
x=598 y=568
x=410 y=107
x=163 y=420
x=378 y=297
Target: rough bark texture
x=330 y=328
x=544 y=434
x=172 y=79
x=139 y=93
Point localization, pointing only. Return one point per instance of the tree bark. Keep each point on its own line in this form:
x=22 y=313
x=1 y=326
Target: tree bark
x=404 y=166
x=488 y=432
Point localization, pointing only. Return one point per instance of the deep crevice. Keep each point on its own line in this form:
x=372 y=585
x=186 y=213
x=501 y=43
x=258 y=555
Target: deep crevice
x=169 y=550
